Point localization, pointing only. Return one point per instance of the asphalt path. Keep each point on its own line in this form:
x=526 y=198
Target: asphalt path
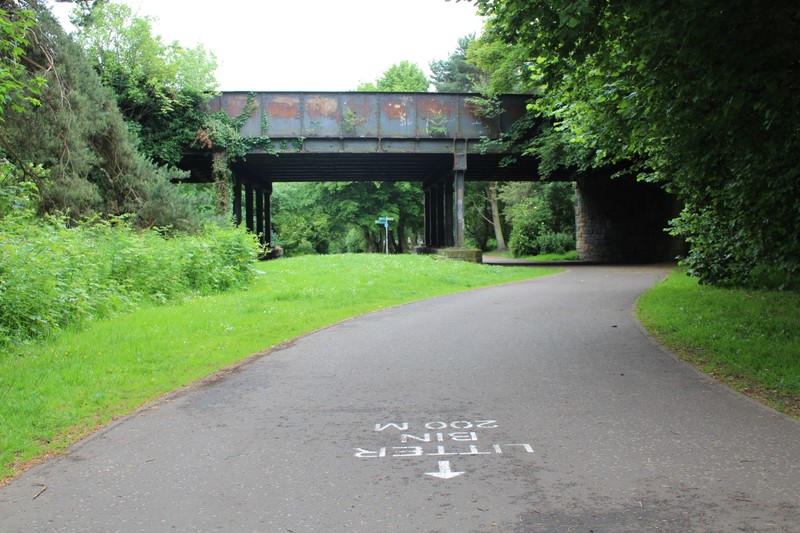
x=534 y=406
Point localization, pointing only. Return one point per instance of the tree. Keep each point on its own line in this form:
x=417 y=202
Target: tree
x=700 y=96
x=542 y=216
x=400 y=77
x=504 y=65
x=160 y=87
x=301 y=227
x=78 y=138
x=456 y=74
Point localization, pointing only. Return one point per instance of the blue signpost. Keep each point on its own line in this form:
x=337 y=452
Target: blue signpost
x=385 y=222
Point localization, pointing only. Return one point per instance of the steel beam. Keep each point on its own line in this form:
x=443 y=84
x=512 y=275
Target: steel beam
x=248 y=206
x=237 y=201
x=259 y=228
x=268 y=214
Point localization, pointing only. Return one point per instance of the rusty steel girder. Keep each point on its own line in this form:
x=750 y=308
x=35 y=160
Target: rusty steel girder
x=327 y=120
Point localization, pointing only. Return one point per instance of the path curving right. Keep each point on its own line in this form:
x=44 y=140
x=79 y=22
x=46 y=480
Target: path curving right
x=535 y=406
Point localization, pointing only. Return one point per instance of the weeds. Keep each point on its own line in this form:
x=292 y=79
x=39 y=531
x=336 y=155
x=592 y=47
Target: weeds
x=53 y=275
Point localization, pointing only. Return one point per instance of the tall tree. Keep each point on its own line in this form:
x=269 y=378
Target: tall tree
x=159 y=86
x=456 y=74
x=79 y=138
x=701 y=96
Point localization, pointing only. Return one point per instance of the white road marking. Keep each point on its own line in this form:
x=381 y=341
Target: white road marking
x=444 y=471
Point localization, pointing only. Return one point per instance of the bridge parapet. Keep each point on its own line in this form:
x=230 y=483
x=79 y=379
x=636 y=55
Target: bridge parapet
x=371 y=121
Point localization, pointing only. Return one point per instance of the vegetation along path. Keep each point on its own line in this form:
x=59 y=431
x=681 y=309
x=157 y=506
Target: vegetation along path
x=534 y=406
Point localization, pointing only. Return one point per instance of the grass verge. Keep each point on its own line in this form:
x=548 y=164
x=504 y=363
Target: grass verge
x=54 y=392
x=747 y=339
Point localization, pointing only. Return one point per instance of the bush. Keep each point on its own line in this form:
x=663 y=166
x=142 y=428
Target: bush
x=555 y=243
x=52 y=275
x=524 y=239
x=529 y=239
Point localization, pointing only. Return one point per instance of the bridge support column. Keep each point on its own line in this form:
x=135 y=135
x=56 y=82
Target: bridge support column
x=259 y=228
x=444 y=209
x=440 y=219
x=458 y=186
x=428 y=214
x=248 y=207
x=267 y=208
x=237 y=202
x=448 y=213
x=434 y=215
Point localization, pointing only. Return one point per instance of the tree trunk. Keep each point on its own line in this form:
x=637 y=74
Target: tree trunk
x=394 y=245
x=401 y=239
x=491 y=194
x=369 y=242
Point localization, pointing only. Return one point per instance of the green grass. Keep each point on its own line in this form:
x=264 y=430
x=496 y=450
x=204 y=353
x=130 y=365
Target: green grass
x=54 y=392
x=748 y=339
x=568 y=256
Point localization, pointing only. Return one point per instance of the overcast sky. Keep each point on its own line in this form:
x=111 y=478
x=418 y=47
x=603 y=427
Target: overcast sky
x=310 y=45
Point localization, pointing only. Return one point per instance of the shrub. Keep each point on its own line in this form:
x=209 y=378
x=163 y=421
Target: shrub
x=555 y=243
x=53 y=275
x=524 y=237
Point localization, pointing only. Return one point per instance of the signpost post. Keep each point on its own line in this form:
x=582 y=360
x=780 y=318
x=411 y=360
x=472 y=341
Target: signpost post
x=385 y=222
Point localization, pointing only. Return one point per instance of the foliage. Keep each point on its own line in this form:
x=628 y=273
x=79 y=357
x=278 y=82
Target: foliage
x=333 y=217
x=80 y=138
x=477 y=215
x=748 y=338
x=456 y=74
x=159 y=87
x=504 y=65
x=77 y=133
x=301 y=227
x=400 y=77
x=221 y=134
x=18 y=90
x=542 y=216
x=74 y=384
x=703 y=97
x=18 y=194
x=54 y=275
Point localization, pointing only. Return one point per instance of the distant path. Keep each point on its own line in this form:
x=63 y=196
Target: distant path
x=535 y=406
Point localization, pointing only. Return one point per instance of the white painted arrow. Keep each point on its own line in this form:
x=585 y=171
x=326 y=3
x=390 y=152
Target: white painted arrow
x=444 y=471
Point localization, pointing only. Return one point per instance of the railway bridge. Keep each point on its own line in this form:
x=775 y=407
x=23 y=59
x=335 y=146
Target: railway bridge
x=434 y=139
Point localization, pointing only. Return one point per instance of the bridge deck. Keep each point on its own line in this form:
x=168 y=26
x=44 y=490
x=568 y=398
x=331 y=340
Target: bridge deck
x=369 y=136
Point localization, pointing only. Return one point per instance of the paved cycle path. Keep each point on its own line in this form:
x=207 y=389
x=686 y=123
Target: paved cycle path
x=534 y=406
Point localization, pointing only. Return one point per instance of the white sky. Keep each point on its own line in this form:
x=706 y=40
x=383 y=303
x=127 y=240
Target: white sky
x=309 y=45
